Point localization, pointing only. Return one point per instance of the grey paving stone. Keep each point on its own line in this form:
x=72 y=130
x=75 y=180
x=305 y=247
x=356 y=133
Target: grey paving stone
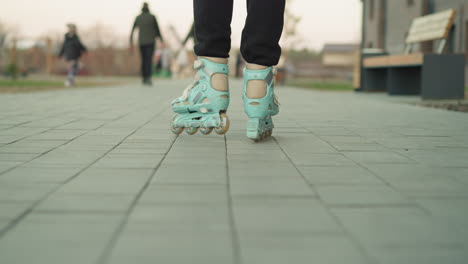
x=185 y=194
x=378 y=157
x=103 y=139
x=58 y=135
x=74 y=239
x=7 y=165
x=331 y=131
x=82 y=124
x=38 y=175
x=89 y=203
x=409 y=255
x=28 y=143
x=446 y=158
x=307 y=159
x=173 y=248
x=289 y=130
x=391 y=183
x=339 y=176
x=107 y=181
x=359 y=147
x=333 y=139
x=198 y=173
x=283 y=215
x=11 y=210
x=73 y=146
x=187 y=217
x=450 y=211
x=129 y=161
x=409 y=178
x=8 y=149
x=245 y=156
x=304 y=143
x=6 y=139
x=141 y=151
x=4 y=224
x=398 y=227
x=259 y=165
x=362 y=195
x=15 y=192
x=21 y=157
x=270 y=186
x=273 y=170
x=299 y=249
x=66 y=157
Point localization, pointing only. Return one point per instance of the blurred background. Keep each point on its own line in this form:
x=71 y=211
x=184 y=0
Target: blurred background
x=320 y=40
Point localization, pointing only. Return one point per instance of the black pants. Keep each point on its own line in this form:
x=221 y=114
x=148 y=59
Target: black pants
x=260 y=36
x=146 y=52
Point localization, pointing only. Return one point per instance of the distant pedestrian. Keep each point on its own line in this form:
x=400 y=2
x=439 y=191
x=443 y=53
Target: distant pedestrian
x=72 y=49
x=148 y=31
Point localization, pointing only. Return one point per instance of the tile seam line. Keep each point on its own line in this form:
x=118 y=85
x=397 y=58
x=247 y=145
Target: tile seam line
x=107 y=251
x=355 y=242
x=235 y=240
x=67 y=142
x=46 y=117
x=19 y=218
x=416 y=205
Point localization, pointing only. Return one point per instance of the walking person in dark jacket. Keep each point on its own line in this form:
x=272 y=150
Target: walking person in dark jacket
x=72 y=49
x=148 y=31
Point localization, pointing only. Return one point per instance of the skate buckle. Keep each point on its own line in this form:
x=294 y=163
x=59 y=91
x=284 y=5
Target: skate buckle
x=274 y=71
x=197 y=64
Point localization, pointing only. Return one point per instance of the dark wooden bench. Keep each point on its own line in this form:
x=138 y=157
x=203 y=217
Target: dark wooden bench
x=434 y=76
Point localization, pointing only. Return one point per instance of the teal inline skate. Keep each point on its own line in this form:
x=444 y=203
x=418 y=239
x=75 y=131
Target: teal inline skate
x=260 y=111
x=201 y=107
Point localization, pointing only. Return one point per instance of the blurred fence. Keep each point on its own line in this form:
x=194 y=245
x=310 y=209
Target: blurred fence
x=41 y=56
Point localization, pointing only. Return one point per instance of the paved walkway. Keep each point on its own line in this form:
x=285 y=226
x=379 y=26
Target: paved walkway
x=95 y=176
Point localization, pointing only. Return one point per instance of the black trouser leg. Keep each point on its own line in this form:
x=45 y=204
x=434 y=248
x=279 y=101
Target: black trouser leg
x=213 y=27
x=146 y=52
x=143 y=62
x=260 y=37
x=262 y=31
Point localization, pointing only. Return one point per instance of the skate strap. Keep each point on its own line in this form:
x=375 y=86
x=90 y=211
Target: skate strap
x=267 y=75
x=209 y=68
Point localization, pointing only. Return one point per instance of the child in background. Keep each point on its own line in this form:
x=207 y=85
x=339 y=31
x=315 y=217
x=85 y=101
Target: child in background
x=72 y=50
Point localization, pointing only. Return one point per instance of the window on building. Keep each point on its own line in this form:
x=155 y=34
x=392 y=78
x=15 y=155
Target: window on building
x=371 y=9
x=410 y=3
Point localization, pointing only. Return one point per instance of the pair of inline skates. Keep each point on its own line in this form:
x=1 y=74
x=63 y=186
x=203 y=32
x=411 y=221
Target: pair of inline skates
x=203 y=108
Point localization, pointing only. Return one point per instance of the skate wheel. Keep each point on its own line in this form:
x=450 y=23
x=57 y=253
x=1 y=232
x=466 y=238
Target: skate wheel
x=225 y=123
x=191 y=130
x=176 y=130
x=206 y=130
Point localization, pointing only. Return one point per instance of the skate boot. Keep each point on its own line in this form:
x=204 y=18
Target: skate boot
x=260 y=111
x=201 y=107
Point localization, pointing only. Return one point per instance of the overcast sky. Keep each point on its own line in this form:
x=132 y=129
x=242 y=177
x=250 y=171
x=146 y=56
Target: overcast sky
x=322 y=21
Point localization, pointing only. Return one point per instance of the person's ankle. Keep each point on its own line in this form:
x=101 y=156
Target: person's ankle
x=256 y=89
x=216 y=60
x=219 y=81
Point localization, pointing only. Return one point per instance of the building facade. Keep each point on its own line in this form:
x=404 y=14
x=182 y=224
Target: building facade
x=340 y=55
x=386 y=23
